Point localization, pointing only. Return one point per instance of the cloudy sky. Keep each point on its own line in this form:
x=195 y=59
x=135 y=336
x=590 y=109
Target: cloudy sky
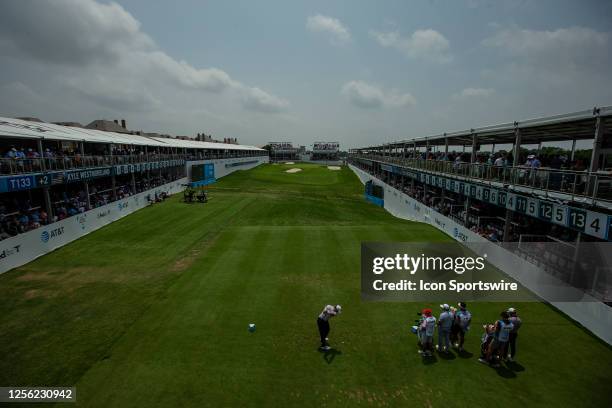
x=357 y=72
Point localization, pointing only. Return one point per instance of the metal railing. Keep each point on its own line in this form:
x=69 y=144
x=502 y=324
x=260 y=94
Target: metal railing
x=10 y=166
x=597 y=186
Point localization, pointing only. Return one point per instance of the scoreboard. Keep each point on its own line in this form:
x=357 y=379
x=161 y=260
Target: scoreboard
x=592 y=223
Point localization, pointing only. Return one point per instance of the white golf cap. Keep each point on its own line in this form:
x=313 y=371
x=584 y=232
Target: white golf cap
x=511 y=310
x=445 y=306
x=338 y=308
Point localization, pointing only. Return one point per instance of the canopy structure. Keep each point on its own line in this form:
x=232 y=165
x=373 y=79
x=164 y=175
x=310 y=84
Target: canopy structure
x=18 y=128
x=567 y=127
x=196 y=144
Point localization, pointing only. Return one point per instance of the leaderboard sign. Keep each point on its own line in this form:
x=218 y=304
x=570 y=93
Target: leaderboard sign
x=141 y=167
x=31 y=181
x=590 y=222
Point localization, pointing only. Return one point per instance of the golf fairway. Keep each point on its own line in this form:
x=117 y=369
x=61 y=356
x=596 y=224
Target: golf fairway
x=153 y=311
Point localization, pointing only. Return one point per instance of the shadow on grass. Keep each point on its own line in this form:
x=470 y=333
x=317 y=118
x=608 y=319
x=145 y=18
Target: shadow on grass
x=514 y=366
x=330 y=355
x=464 y=354
x=505 y=372
x=447 y=356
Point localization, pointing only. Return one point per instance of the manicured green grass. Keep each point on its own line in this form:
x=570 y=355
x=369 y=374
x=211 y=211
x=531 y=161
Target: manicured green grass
x=153 y=311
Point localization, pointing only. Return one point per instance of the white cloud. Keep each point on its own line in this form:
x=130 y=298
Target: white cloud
x=468 y=93
x=261 y=101
x=339 y=34
x=560 y=49
x=369 y=96
x=103 y=55
x=422 y=44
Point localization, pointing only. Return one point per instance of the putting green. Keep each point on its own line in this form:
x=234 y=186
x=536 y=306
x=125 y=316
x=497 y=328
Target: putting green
x=153 y=310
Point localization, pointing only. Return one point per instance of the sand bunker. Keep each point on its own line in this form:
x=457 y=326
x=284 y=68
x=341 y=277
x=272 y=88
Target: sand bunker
x=334 y=167
x=290 y=163
x=293 y=170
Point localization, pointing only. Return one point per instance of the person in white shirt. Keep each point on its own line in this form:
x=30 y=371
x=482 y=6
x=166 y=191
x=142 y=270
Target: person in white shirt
x=428 y=326
x=323 y=323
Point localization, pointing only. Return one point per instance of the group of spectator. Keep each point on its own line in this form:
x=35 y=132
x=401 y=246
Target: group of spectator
x=498 y=343
x=19 y=215
x=482 y=218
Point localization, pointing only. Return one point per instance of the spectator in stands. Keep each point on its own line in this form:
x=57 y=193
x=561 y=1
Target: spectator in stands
x=20 y=154
x=533 y=162
x=11 y=154
x=457 y=162
x=32 y=154
x=500 y=161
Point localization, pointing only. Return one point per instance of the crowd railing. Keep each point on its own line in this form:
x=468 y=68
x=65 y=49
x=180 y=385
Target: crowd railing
x=594 y=185
x=14 y=166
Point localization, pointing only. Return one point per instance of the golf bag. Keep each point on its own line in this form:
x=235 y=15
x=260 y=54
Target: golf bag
x=486 y=340
x=416 y=329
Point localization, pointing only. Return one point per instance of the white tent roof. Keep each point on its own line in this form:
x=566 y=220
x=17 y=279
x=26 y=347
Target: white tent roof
x=195 y=144
x=36 y=130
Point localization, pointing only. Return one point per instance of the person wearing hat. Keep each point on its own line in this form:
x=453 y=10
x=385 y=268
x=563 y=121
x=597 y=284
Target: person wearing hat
x=428 y=326
x=323 y=323
x=501 y=337
x=532 y=161
x=11 y=153
x=516 y=325
x=445 y=322
x=463 y=318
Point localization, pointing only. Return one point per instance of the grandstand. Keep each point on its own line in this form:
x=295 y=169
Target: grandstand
x=280 y=151
x=515 y=195
x=50 y=173
x=325 y=151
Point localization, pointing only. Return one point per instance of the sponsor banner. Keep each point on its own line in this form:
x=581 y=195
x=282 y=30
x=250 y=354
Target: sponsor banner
x=220 y=169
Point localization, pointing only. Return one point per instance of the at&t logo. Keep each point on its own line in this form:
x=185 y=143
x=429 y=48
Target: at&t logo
x=45 y=236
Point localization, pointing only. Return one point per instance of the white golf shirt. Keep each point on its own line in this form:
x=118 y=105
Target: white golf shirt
x=328 y=312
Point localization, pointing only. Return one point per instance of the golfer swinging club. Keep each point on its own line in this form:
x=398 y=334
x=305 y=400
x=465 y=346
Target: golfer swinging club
x=323 y=323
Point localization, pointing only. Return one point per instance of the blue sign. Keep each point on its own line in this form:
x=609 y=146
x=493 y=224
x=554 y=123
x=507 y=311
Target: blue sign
x=18 y=183
x=82 y=175
x=375 y=200
x=209 y=171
